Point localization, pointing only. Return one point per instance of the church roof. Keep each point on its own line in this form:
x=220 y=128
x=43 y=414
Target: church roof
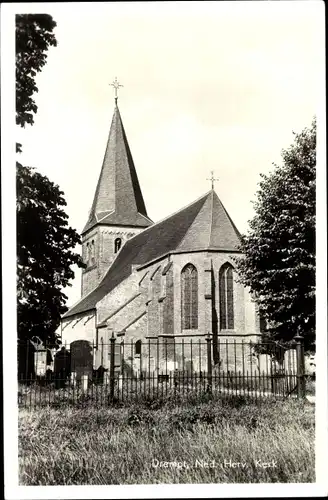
x=202 y=225
x=118 y=199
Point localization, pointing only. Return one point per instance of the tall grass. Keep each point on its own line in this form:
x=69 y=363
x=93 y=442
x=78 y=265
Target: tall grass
x=121 y=445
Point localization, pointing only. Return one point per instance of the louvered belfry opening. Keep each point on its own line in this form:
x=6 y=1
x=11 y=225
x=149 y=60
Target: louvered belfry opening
x=189 y=297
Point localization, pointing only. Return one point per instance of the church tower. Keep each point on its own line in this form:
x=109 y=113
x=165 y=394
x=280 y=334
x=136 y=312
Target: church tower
x=118 y=210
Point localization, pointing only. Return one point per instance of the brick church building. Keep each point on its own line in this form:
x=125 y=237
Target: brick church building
x=173 y=280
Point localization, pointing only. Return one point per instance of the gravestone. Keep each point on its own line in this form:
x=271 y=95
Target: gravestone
x=62 y=366
x=40 y=362
x=81 y=359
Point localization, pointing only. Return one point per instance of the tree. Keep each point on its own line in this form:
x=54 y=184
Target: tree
x=34 y=36
x=45 y=256
x=279 y=249
x=45 y=241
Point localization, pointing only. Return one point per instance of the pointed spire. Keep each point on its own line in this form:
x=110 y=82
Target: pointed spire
x=118 y=199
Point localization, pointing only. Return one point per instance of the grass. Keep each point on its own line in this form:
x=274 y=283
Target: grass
x=122 y=444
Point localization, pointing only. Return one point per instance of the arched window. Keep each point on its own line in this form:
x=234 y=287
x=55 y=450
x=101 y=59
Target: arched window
x=117 y=244
x=137 y=348
x=88 y=254
x=226 y=297
x=189 y=298
x=92 y=252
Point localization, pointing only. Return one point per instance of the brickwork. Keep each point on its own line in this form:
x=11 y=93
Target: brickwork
x=158 y=295
x=103 y=238
x=122 y=317
x=118 y=297
x=208 y=265
x=153 y=304
x=168 y=303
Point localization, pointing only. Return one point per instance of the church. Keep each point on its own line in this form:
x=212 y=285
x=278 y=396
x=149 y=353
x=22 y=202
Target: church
x=170 y=280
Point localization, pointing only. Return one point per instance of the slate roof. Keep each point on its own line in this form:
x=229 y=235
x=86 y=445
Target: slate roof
x=202 y=225
x=118 y=199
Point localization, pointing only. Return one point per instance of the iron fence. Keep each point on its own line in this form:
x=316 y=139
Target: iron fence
x=83 y=372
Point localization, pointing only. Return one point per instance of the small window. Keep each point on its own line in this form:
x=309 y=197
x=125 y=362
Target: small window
x=87 y=254
x=137 y=348
x=92 y=252
x=117 y=244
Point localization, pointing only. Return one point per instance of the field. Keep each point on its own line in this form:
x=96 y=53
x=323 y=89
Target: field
x=168 y=441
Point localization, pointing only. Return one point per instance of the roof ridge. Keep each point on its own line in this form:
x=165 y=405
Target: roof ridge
x=230 y=219
x=78 y=301
x=145 y=216
x=169 y=216
x=185 y=236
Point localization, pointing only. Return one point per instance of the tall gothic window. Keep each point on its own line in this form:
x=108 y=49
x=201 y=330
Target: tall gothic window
x=226 y=297
x=117 y=244
x=189 y=297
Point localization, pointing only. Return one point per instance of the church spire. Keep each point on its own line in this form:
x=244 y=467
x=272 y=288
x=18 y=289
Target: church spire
x=118 y=198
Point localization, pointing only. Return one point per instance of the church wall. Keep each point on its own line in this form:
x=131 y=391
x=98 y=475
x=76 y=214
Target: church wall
x=117 y=297
x=132 y=361
x=245 y=319
x=218 y=260
x=252 y=319
x=90 y=274
x=160 y=296
x=154 y=292
x=107 y=237
x=79 y=327
x=179 y=261
x=168 y=302
x=127 y=314
x=103 y=238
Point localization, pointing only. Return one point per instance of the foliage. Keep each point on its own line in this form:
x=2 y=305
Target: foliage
x=279 y=250
x=118 y=445
x=44 y=239
x=44 y=254
x=34 y=36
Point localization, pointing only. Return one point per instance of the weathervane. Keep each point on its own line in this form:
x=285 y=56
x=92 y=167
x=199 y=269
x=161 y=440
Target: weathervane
x=116 y=86
x=212 y=179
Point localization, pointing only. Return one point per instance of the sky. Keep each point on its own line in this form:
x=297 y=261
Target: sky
x=206 y=86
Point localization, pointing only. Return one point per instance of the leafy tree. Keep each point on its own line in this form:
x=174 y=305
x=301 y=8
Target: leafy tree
x=279 y=249
x=45 y=256
x=45 y=242
x=34 y=36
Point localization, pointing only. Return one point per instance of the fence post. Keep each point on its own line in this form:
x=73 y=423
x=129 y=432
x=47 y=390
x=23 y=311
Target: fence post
x=300 y=366
x=111 y=367
x=84 y=380
x=209 y=362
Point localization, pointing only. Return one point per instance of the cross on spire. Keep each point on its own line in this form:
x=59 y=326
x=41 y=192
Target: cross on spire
x=116 y=86
x=212 y=178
